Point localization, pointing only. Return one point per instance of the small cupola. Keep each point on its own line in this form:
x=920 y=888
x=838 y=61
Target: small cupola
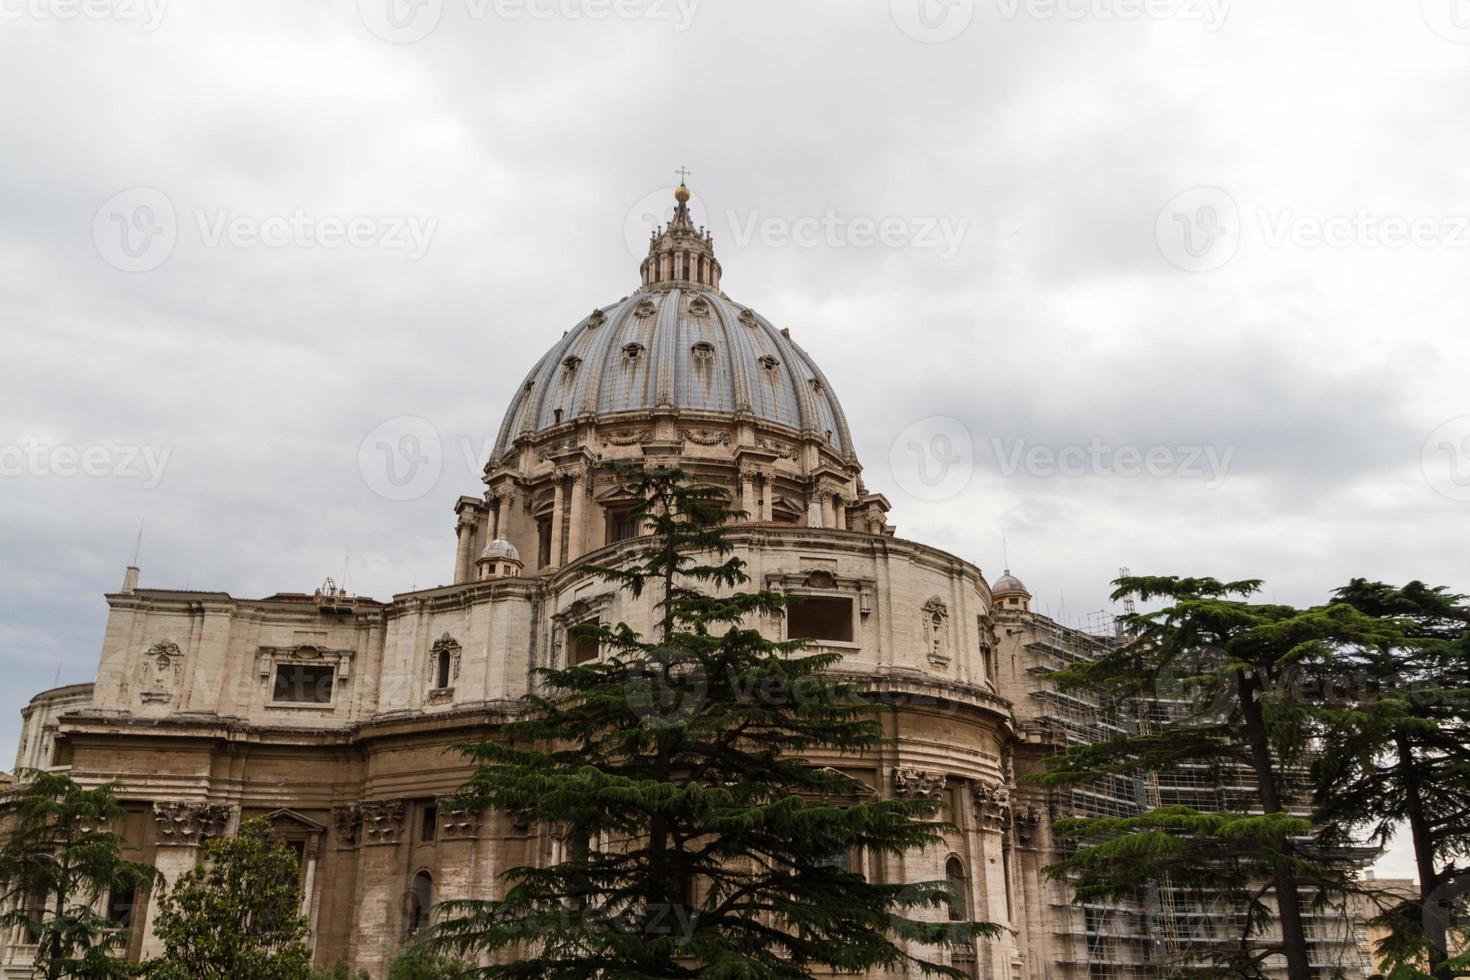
x=500 y=559
x=679 y=254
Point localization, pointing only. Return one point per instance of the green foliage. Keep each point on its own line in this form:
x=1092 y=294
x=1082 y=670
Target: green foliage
x=1395 y=730
x=1228 y=686
x=697 y=839
x=340 y=970
x=418 y=962
x=60 y=858
x=236 y=915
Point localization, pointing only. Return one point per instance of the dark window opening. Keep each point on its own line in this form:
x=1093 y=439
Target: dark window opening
x=954 y=874
x=120 y=908
x=304 y=683
x=420 y=901
x=621 y=525
x=585 y=647
x=543 y=542
x=428 y=830
x=441 y=670
x=820 y=618
x=61 y=752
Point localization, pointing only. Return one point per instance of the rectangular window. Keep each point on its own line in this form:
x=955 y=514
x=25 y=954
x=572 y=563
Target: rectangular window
x=304 y=683
x=621 y=526
x=120 y=908
x=584 y=648
x=543 y=542
x=819 y=618
x=428 y=830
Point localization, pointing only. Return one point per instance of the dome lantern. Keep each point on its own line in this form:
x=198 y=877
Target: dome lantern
x=679 y=254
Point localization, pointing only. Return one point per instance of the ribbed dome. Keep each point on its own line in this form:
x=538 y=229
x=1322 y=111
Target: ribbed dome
x=686 y=349
x=500 y=549
x=1008 y=583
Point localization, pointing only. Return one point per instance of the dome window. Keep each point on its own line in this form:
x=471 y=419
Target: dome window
x=747 y=318
x=703 y=352
x=644 y=310
x=769 y=363
x=699 y=306
x=631 y=352
x=597 y=319
x=816 y=386
x=571 y=364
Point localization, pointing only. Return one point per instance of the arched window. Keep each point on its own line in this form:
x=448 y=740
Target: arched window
x=441 y=669
x=420 y=901
x=954 y=874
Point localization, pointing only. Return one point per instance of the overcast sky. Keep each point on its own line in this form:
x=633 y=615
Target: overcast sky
x=1177 y=285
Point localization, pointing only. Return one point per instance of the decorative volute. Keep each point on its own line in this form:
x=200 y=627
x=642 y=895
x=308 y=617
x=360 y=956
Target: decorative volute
x=680 y=254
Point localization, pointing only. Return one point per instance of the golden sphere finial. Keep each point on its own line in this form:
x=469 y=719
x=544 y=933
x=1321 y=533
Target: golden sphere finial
x=681 y=194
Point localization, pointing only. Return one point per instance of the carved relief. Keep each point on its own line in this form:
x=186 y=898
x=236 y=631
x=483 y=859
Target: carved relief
x=458 y=823
x=382 y=821
x=993 y=805
x=645 y=309
x=699 y=306
x=747 y=318
x=918 y=783
x=625 y=437
x=782 y=449
x=705 y=437
x=597 y=319
x=187 y=824
x=160 y=672
x=1028 y=825
x=936 y=631
x=349 y=823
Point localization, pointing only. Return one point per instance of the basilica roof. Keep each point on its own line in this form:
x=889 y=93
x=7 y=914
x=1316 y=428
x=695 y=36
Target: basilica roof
x=677 y=343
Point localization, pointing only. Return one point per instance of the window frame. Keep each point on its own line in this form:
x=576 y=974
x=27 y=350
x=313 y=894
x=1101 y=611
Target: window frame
x=854 y=625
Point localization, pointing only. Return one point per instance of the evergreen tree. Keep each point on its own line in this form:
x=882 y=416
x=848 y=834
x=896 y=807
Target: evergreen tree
x=1396 y=756
x=59 y=860
x=1227 y=686
x=697 y=840
x=236 y=915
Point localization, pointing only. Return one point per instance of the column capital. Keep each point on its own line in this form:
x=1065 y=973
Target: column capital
x=182 y=823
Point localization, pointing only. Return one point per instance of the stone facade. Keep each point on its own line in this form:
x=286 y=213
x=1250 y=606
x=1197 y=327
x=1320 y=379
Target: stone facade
x=335 y=716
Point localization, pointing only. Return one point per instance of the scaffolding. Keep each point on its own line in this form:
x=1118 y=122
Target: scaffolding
x=1162 y=929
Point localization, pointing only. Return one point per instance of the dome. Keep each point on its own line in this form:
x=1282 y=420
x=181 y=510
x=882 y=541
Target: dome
x=1008 y=583
x=684 y=348
x=500 y=550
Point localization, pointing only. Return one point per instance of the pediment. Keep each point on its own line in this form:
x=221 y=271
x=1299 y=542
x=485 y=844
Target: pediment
x=288 y=819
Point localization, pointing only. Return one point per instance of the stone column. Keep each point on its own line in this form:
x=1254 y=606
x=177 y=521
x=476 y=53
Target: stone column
x=993 y=814
x=577 y=514
x=464 y=552
x=768 y=493
x=557 y=509
x=181 y=829
x=747 y=495
x=829 y=508
x=377 y=827
x=458 y=834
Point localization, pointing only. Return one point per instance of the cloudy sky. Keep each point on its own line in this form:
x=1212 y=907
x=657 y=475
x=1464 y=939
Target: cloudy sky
x=1177 y=285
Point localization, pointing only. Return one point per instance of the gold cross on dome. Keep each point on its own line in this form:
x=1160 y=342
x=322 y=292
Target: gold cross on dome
x=683 y=173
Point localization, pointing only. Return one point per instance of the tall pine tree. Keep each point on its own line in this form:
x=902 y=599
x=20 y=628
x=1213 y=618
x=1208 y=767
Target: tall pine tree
x=1235 y=683
x=1396 y=760
x=697 y=838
